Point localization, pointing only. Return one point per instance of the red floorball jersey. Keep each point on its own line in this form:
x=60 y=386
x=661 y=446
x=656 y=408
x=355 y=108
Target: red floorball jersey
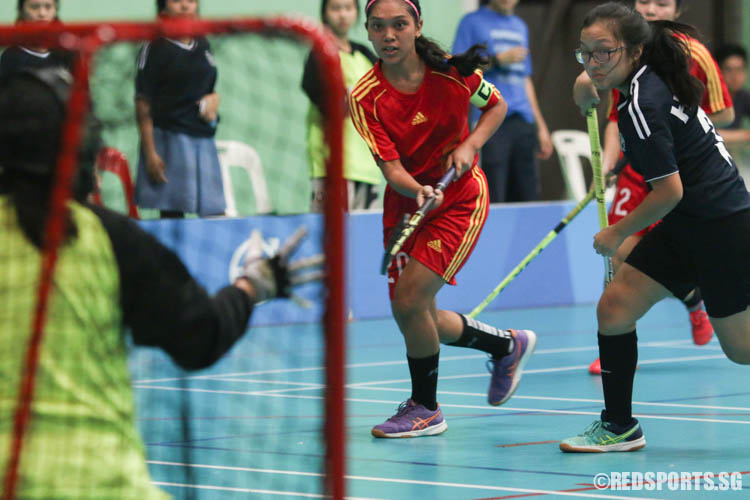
x=420 y=129
x=702 y=66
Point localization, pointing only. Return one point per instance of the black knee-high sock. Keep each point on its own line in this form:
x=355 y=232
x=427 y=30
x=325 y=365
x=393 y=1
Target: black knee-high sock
x=619 y=357
x=171 y=214
x=424 y=377
x=694 y=299
x=478 y=335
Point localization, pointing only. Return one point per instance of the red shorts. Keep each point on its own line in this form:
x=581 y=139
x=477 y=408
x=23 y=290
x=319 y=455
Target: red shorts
x=631 y=191
x=447 y=236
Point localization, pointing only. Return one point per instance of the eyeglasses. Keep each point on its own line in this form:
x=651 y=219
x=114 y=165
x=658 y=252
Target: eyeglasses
x=602 y=56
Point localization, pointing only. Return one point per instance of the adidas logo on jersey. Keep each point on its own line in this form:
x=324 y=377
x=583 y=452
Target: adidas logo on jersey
x=419 y=118
x=435 y=245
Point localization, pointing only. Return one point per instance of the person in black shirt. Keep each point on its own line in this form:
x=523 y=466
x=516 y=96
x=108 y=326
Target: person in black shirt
x=695 y=189
x=177 y=113
x=16 y=58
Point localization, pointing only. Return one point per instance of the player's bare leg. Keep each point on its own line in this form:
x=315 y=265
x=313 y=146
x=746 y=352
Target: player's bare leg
x=595 y=368
x=733 y=333
x=414 y=310
x=630 y=295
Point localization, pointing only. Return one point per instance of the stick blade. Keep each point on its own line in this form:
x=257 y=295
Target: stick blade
x=385 y=263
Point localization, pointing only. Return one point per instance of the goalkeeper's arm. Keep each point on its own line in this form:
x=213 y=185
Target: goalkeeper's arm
x=165 y=307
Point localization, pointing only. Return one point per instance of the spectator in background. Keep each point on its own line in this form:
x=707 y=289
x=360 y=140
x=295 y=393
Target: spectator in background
x=360 y=170
x=177 y=112
x=732 y=59
x=508 y=158
x=18 y=57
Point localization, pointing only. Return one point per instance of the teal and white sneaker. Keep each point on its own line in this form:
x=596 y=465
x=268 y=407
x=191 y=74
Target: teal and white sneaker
x=602 y=436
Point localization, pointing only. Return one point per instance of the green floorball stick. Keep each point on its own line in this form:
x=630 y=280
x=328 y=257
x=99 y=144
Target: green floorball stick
x=396 y=244
x=536 y=251
x=592 y=121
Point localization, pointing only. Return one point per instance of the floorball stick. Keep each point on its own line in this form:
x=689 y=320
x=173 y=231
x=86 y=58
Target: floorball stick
x=592 y=121
x=536 y=251
x=397 y=243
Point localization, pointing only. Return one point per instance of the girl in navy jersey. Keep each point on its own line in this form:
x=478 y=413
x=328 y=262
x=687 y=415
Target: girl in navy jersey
x=695 y=188
x=177 y=112
x=631 y=189
x=411 y=110
x=18 y=57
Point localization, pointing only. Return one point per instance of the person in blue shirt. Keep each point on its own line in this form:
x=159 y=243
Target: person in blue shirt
x=695 y=189
x=508 y=157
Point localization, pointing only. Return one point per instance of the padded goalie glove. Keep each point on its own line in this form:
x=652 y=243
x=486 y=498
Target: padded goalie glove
x=275 y=276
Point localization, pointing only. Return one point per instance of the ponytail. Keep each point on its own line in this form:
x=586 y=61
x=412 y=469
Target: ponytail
x=665 y=47
x=436 y=58
x=31 y=118
x=667 y=53
x=30 y=195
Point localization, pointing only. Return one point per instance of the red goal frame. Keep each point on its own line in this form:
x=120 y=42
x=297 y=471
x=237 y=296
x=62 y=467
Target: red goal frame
x=85 y=40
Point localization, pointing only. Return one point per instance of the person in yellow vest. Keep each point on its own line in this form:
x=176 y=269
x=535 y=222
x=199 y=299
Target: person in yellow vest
x=360 y=170
x=81 y=441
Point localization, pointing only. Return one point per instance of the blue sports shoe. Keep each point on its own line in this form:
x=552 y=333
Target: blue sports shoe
x=506 y=371
x=412 y=420
x=602 y=436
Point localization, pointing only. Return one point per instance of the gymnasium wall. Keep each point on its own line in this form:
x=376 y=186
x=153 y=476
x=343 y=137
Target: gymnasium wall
x=440 y=16
x=554 y=35
x=283 y=156
x=568 y=272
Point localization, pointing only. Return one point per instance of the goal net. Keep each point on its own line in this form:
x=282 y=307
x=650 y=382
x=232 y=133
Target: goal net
x=78 y=408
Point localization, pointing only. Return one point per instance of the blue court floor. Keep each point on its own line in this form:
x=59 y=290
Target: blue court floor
x=693 y=404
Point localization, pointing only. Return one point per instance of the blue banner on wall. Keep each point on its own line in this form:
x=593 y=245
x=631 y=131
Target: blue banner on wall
x=568 y=272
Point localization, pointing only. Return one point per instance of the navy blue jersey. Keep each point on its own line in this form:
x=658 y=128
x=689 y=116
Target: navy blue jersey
x=661 y=137
x=16 y=58
x=172 y=77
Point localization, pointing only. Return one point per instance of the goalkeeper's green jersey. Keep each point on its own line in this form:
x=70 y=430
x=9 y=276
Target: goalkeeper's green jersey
x=359 y=164
x=81 y=441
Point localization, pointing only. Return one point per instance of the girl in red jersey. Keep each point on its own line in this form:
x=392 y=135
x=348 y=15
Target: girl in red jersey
x=631 y=189
x=411 y=109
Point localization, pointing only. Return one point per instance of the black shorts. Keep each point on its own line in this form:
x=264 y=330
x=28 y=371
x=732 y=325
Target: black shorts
x=683 y=252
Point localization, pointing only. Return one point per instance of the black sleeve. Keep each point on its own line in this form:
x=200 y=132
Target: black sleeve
x=365 y=51
x=5 y=64
x=650 y=144
x=146 y=70
x=206 y=49
x=164 y=306
x=311 y=81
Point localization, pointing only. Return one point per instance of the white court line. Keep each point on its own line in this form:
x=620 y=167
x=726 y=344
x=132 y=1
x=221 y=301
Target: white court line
x=670 y=343
x=364 y=385
x=240 y=490
x=566 y=400
x=371 y=364
x=297 y=389
x=303 y=385
x=542 y=370
x=214 y=391
x=447 y=405
x=387 y=480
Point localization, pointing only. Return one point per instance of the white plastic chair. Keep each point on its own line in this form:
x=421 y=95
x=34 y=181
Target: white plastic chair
x=235 y=154
x=571 y=146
